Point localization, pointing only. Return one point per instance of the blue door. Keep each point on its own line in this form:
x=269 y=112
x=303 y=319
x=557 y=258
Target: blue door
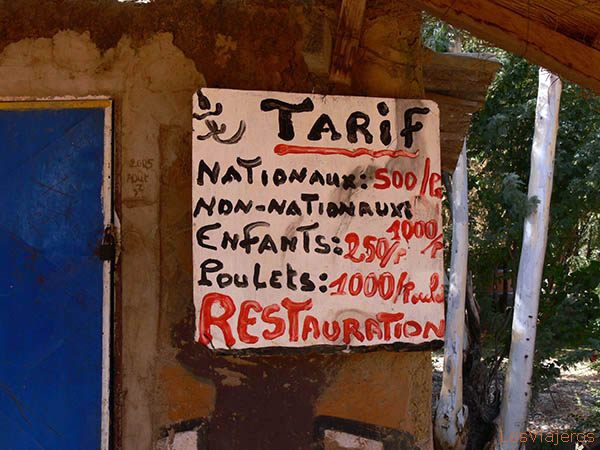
x=51 y=282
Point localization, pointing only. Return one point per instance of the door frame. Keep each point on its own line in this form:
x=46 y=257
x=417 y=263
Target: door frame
x=107 y=201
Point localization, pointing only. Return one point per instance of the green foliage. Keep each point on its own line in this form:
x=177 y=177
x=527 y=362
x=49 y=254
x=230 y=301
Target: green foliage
x=514 y=198
x=437 y=35
x=591 y=422
x=442 y=37
x=499 y=145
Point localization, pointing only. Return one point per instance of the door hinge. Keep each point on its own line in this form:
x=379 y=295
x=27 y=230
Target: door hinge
x=107 y=248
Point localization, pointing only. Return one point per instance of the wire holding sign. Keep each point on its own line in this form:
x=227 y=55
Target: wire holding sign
x=305 y=236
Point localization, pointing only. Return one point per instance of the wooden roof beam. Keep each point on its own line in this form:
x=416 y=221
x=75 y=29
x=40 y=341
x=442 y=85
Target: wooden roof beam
x=534 y=41
x=346 y=41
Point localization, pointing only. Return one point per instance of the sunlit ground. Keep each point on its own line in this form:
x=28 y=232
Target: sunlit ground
x=565 y=406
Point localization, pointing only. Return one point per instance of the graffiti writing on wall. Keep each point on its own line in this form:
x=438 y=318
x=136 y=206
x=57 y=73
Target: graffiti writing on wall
x=316 y=220
x=138 y=175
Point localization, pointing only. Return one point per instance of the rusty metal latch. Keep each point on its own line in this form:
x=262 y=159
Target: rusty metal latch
x=107 y=249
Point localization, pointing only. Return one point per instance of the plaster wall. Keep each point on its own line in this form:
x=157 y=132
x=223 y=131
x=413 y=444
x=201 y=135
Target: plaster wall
x=163 y=379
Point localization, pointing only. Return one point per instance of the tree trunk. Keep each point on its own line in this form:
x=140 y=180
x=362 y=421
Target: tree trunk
x=481 y=390
x=517 y=386
x=451 y=414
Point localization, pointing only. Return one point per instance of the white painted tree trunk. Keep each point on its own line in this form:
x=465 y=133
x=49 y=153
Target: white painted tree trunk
x=451 y=414
x=517 y=385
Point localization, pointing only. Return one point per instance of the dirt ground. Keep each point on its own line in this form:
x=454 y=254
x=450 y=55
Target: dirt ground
x=562 y=407
x=566 y=402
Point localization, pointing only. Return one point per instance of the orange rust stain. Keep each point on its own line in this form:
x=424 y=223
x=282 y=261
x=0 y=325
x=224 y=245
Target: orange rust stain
x=186 y=397
x=372 y=388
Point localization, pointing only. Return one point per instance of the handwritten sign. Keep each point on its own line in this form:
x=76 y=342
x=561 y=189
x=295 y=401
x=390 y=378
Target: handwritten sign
x=316 y=220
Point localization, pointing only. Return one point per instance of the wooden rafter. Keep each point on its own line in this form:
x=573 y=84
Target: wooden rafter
x=347 y=39
x=529 y=38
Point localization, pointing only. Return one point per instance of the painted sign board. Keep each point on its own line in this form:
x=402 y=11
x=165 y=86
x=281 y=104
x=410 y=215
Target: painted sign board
x=316 y=221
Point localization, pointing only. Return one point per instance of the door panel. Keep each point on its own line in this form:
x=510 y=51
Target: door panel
x=51 y=283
